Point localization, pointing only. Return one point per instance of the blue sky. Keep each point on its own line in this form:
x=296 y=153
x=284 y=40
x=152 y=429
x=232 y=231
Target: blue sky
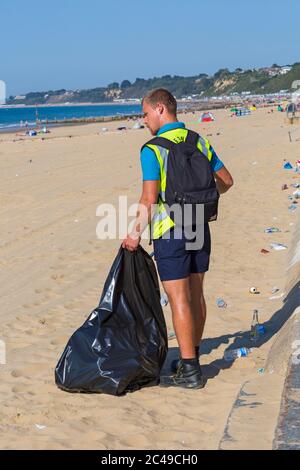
x=88 y=43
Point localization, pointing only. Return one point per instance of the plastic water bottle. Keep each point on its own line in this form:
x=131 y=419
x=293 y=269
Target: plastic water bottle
x=232 y=354
x=164 y=300
x=292 y=207
x=272 y=230
x=221 y=303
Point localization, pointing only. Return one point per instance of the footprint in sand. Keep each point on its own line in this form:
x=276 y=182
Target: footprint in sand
x=22 y=388
x=33 y=305
x=26 y=305
x=136 y=441
x=48 y=294
x=94 y=243
x=90 y=252
x=70 y=305
x=58 y=277
x=41 y=291
x=31 y=331
x=16 y=373
x=58 y=341
x=30 y=370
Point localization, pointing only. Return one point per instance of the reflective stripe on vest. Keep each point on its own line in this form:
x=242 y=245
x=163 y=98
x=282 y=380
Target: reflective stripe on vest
x=161 y=222
x=204 y=147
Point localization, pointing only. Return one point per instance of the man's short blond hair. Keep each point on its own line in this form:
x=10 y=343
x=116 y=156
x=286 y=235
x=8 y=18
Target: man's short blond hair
x=163 y=96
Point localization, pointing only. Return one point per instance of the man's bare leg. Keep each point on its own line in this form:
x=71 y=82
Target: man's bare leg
x=178 y=292
x=198 y=305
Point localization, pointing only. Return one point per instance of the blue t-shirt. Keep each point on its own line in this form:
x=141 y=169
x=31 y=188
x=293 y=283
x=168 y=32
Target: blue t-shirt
x=150 y=165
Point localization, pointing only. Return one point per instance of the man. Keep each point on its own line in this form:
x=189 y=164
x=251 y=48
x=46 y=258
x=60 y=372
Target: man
x=181 y=271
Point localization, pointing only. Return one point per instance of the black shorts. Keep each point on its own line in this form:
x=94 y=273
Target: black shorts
x=177 y=261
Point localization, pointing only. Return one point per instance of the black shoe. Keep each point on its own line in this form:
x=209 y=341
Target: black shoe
x=187 y=376
x=176 y=364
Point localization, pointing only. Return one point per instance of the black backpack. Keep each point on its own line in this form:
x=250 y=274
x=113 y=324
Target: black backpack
x=190 y=179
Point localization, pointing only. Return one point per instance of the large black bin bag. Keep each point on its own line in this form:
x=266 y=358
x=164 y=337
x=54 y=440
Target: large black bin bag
x=122 y=345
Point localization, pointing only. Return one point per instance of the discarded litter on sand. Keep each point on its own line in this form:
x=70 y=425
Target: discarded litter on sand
x=274 y=290
x=296 y=194
x=277 y=297
x=272 y=230
x=292 y=207
x=254 y=290
x=164 y=300
x=221 y=303
x=278 y=246
x=171 y=335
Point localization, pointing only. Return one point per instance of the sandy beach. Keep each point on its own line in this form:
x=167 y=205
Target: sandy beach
x=53 y=269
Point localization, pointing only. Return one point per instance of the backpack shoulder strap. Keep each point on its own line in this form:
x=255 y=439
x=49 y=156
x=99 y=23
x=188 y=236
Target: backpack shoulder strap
x=192 y=138
x=161 y=141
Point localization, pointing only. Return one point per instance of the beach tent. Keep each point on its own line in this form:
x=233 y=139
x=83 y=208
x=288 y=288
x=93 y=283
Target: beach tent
x=206 y=117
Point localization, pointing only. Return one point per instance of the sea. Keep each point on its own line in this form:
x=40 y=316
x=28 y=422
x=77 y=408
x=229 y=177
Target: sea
x=14 y=118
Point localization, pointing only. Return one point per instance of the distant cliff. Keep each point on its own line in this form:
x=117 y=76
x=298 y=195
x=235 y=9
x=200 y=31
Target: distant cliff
x=256 y=81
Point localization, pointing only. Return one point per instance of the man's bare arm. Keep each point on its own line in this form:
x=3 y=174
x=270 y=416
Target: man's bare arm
x=149 y=196
x=224 y=180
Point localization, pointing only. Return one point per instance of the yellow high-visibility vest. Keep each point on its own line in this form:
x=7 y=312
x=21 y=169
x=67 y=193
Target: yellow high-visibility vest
x=161 y=222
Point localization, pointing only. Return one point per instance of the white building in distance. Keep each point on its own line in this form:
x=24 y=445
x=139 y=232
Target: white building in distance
x=2 y=92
